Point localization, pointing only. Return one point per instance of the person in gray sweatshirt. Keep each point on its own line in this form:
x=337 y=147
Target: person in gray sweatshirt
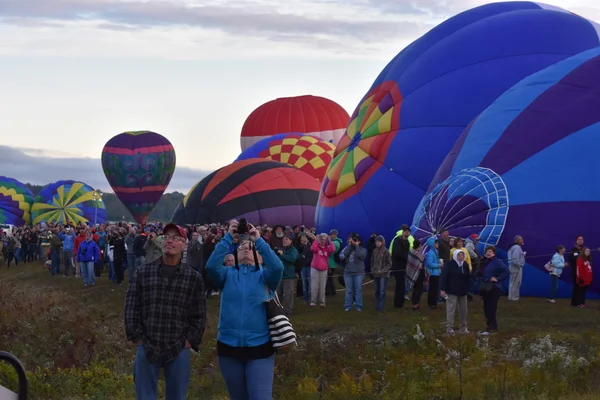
x=354 y=272
x=516 y=262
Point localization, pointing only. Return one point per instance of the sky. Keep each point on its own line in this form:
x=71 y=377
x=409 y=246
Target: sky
x=74 y=73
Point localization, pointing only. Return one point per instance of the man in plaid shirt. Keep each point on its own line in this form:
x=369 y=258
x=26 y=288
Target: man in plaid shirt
x=165 y=315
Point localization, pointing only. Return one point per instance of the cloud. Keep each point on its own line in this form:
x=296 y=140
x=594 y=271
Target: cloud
x=238 y=20
x=36 y=167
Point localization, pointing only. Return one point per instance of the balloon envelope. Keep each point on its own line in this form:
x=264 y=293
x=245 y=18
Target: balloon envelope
x=263 y=192
x=15 y=202
x=311 y=115
x=421 y=102
x=68 y=201
x=307 y=153
x=528 y=166
x=138 y=166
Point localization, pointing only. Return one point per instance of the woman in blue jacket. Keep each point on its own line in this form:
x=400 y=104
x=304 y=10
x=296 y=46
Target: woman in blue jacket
x=245 y=353
x=492 y=274
x=88 y=255
x=434 y=270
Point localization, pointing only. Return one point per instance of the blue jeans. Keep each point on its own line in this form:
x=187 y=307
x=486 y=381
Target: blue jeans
x=248 y=380
x=380 y=286
x=88 y=273
x=111 y=271
x=305 y=275
x=354 y=291
x=17 y=255
x=553 y=286
x=177 y=376
x=55 y=254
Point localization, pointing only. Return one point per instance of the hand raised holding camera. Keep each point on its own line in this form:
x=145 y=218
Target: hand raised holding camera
x=253 y=232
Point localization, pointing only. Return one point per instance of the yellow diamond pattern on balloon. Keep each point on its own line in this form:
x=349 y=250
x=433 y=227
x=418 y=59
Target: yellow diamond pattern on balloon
x=303 y=152
x=363 y=147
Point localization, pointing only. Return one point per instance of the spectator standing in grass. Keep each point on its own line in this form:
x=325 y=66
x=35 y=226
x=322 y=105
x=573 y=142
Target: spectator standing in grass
x=165 y=315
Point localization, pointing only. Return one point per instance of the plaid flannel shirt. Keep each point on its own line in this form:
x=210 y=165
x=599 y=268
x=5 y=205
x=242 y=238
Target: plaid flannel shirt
x=162 y=315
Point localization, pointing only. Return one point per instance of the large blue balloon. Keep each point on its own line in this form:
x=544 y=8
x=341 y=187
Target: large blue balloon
x=528 y=165
x=425 y=97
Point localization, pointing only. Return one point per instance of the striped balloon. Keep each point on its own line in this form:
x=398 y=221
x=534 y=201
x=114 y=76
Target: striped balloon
x=528 y=166
x=139 y=166
x=15 y=202
x=262 y=191
x=311 y=115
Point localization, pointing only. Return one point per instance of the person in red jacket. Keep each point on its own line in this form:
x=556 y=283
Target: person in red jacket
x=584 y=278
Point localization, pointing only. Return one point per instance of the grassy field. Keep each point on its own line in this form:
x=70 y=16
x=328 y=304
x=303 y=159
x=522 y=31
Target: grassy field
x=72 y=341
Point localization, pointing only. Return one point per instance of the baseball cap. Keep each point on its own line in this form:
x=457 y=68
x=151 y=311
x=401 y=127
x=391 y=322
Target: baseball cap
x=474 y=236
x=177 y=227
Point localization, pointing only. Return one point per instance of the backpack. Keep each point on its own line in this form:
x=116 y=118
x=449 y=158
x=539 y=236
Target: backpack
x=336 y=255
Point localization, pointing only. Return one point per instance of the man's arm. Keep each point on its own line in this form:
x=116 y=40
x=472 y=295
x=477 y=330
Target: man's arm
x=134 y=328
x=197 y=315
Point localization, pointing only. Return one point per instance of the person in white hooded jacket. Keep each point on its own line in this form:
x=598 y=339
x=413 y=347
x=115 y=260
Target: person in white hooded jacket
x=454 y=282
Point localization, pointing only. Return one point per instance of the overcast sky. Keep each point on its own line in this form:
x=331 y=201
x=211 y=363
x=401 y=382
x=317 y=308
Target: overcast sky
x=73 y=73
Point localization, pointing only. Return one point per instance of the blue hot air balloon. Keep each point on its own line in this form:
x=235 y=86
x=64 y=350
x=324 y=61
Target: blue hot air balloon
x=418 y=106
x=528 y=165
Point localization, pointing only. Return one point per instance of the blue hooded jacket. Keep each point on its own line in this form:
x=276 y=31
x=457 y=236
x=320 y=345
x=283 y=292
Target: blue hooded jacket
x=432 y=260
x=243 y=314
x=88 y=251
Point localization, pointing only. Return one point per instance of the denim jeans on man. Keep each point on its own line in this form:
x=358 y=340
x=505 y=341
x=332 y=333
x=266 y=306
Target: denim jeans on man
x=380 y=286
x=87 y=271
x=553 y=286
x=305 y=275
x=17 y=255
x=354 y=291
x=177 y=376
x=67 y=261
x=248 y=380
x=55 y=254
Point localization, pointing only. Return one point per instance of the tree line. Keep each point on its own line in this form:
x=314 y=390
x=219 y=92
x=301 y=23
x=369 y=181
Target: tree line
x=118 y=212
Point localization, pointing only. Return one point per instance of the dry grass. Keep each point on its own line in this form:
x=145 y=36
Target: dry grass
x=71 y=340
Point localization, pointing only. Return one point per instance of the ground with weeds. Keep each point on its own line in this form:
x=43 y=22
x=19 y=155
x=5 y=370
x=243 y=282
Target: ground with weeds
x=71 y=340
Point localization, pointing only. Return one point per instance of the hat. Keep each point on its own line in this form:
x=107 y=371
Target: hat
x=179 y=229
x=475 y=236
x=405 y=227
x=380 y=239
x=334 y=232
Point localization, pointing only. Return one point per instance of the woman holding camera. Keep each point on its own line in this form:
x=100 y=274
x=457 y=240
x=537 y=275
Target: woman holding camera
x=354 y=273
x=245 y=353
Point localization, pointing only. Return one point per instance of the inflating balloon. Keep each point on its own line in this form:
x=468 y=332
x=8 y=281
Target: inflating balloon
x=311 y=115
x=421 y=102
x=15 y=202
x=139 y=166
x=263 y=192
x=308 y=153
x=68 y=201
x=528 y=166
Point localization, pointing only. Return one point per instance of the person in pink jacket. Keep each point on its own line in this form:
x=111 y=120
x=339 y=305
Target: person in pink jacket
x=322 y=248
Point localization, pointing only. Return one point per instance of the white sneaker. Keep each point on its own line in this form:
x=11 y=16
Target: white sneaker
x=551 y=301
x=450 y=331
x=464 y=331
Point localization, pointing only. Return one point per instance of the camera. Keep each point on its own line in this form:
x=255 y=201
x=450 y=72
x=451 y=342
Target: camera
x=242 y=227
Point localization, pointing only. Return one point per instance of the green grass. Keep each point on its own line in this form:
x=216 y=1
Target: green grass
x=72 y=341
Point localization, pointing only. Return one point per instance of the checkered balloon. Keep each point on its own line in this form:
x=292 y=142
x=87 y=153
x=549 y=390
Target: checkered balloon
x=307 y=153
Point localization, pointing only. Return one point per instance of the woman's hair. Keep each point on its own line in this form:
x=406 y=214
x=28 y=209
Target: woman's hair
x=578 y=236
x=457 y=240
x=559 y=248
x=583 y=256
x=416 y=244
x=492 y=248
